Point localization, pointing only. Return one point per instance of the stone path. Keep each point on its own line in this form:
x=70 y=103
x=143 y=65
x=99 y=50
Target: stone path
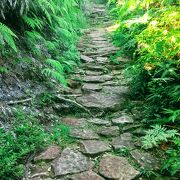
x=99 y=86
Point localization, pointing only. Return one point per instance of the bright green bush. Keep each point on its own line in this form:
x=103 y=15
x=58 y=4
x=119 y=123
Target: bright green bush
x=148 y=32
x=25 y=136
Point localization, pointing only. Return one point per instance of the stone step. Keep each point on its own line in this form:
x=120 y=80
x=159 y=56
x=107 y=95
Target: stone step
x=94 y=147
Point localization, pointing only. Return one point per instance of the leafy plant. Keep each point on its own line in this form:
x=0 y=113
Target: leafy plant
x=148 y=32
x=157 y=135
x=61 y=135
x=7 y=37
x=172 y=164
x=25 y=136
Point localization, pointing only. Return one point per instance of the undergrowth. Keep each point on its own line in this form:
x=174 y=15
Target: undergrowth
x=148 y=33
x=25 y=137
x=46 y=30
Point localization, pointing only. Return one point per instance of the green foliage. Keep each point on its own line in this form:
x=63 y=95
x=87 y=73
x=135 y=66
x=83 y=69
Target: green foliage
x=24 y=137
x=56 y=72
x=49 y=29
x=157 y=135
x=60 y=134
x=172 y=164
x=148 y=32
x=7 y=37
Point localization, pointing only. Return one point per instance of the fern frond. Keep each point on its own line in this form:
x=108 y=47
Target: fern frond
x=156 y=135
x=55 y=75
x=8 y=36
x=33 y=22
x=55 y=64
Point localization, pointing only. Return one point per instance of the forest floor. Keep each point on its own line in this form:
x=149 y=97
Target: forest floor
x=106 y=142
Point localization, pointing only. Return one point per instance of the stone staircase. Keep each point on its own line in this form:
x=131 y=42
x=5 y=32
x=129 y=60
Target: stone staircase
x=99 y=86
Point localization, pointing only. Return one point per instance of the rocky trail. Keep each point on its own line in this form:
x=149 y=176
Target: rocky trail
x=105 y=148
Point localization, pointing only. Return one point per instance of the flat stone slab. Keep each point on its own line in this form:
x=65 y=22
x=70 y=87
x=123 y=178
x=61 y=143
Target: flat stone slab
x=108 y=131
x=50 y=153
x=119 y=90
x=113 y=167
x=98 y=121
x=85 y=134
x=93 y=79
x=124 y=119
x=91 y=87
x=87 y=175
x=123 y=141
x=93 y=73
x=97 y=79
x=70 y=121
x=101 y=100
x=86 y=59
x=70 y=162
x=110 y=83
x=146 y=160
x=93 y=147
x=93 y=67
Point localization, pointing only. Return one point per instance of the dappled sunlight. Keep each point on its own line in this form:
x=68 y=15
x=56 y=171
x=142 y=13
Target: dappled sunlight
x=113 y=28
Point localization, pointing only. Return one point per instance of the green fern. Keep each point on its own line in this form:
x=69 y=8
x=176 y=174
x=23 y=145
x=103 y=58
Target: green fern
x=8 y=36
x=33 y=22
x=157 y=135
x=56 y=71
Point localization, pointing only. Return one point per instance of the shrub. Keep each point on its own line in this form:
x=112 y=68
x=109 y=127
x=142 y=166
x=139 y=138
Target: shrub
x=148 y=32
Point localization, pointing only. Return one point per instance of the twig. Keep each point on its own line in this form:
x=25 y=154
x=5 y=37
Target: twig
x=74 y=102
x=19 y=102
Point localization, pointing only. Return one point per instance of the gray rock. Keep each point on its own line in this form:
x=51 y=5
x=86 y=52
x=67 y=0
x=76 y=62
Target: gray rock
x=102 y=60
x=110 y=83
x=70 y=162
x=70 y=121
x=93 y=73
x=116 y=72
x=125 y=119
x=93 y=79
x=97 y=79
x=113 y=167
x=40 y=170
x=146 y=160
x=50 y=153
x=97 y=121
x=83 y=134
x=130 y=127
x=108 y=131
x=123 y=141
x=93 y=67
x=93 y=147
x=91 y=87
x=101 y=100
x=86 y=59
x=87 y=175
x=119 y=90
